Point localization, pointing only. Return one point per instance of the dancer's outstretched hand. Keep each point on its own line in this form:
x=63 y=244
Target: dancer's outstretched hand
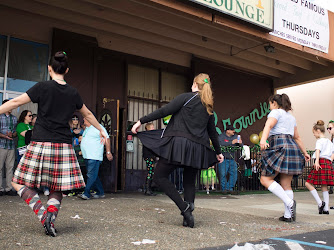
x=220 y=158
x=136 y=127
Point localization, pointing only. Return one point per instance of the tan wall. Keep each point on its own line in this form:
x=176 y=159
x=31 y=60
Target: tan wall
x=311 y=102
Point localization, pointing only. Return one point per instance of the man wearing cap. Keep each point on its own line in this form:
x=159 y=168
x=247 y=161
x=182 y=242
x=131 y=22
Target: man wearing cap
x=228 y=139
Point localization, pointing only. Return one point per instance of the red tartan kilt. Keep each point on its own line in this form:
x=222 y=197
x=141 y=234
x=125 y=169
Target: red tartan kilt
x=323 y=176
x=52 y=165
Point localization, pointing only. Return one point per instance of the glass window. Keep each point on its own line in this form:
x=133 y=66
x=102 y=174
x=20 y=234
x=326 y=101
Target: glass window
x=27 y=64
x=3 y=45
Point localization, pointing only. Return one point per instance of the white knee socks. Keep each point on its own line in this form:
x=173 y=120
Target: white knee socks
x=316 y=197
x=287 y=213
x=326 y=199
x=277 y=190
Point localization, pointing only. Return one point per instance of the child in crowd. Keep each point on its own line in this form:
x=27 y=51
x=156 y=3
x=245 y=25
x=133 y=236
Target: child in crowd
x=208 y=176
x=322 y=172
x=149 y=158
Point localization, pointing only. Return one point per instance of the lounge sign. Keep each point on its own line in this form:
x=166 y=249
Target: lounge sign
x=258 y=12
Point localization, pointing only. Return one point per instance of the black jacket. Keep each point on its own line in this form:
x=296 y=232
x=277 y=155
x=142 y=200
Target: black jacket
x=191 y=121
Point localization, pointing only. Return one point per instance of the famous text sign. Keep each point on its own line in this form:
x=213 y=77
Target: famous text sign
x=258 y=12
x=303 y=22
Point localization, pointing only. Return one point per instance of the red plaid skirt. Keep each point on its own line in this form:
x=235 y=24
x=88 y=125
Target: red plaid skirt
x=53 y=165
x=324 y=176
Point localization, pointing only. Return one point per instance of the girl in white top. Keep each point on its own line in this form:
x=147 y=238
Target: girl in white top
x=285 y=153
x=322 y=172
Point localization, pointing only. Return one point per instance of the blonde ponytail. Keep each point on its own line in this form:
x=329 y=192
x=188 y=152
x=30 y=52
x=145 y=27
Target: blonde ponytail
x=205 y=92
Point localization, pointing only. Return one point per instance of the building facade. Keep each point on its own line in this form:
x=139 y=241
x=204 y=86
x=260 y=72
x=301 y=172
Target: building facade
x=129 y=57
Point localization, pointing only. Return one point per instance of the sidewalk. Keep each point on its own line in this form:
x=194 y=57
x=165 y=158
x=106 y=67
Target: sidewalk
x=120 y=219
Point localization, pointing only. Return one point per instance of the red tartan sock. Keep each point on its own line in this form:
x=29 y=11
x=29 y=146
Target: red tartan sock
x=54 y=202
x=31 y=197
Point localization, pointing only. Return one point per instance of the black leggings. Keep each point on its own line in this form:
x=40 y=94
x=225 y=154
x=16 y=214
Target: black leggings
x=163 y=169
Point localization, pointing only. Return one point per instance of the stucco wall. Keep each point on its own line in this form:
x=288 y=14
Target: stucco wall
x=311 y=102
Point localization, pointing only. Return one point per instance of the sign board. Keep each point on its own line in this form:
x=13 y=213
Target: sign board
x=302 y=22
x=258 y=12
x=129 y=146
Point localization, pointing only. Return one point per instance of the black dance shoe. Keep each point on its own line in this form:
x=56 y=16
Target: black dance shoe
x=325 y=212
x=192 y=207
x=282 y=218
x=48 y=226
x=321 y=208
x=188 y=217
x=293 y=210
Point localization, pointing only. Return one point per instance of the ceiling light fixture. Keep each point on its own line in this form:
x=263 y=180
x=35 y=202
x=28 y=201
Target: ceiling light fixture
x=269 y=48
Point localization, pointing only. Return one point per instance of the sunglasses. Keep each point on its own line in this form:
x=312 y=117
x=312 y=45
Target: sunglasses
x=75 y=119
x=30 y=115
x=329 y=129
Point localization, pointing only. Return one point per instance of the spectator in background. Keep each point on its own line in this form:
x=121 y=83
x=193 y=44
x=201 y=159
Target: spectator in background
x=27 y=137
x=33 y=120
x=76 y=130
x=149 y=158
x=23 y=126
x=229 y=165
x=92 y=151
x=330 y=129
x=7 y=149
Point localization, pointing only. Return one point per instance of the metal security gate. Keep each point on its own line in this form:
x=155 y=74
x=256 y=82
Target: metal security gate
x=135 y=164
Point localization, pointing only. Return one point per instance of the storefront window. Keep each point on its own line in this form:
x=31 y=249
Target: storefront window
x=27 y=64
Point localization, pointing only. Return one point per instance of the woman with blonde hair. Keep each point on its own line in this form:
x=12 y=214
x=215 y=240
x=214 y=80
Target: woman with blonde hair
x=184 y=143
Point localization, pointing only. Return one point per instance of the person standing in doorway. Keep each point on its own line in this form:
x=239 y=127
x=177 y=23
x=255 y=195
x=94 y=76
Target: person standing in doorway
x=8 y=124
x=184 y=143
x=286 y=154
x=92 y=152
x=149 y=158
x=50 y=159
x=229 y=165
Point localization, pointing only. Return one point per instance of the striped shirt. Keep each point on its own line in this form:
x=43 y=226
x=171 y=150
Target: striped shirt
x=7 y=124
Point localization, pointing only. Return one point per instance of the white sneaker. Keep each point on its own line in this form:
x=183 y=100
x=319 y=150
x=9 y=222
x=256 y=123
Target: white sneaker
x=84 y=197
x=96 y=196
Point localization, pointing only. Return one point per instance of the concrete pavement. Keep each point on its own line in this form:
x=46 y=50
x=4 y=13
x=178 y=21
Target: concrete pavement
x=123 y=218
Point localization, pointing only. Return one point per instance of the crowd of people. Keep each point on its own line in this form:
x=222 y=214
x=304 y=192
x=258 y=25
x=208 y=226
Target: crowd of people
x=54 y=149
